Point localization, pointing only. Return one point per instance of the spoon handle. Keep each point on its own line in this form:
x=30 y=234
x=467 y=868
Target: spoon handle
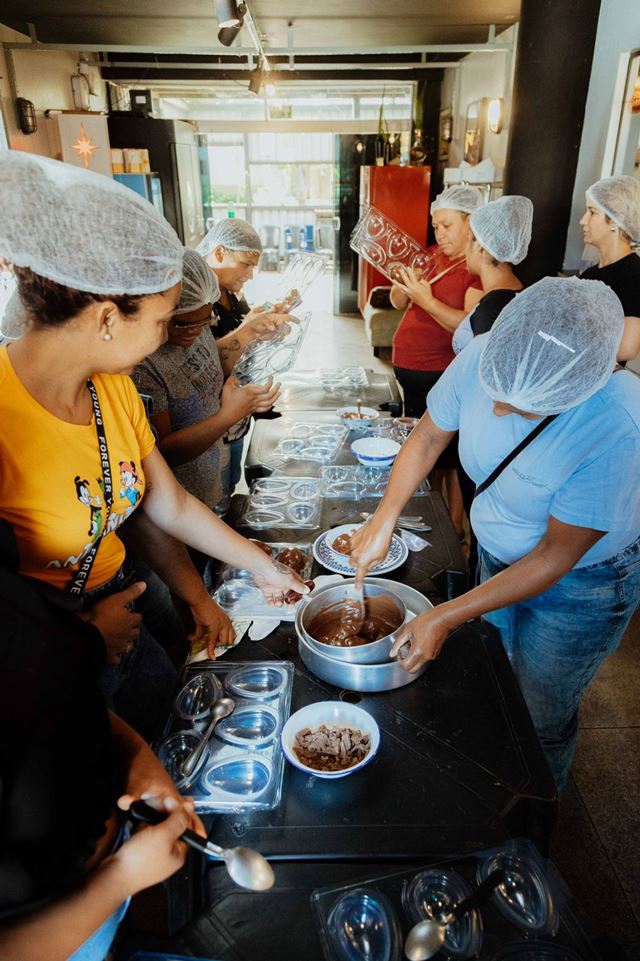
x=140 y=811
x=479 y=894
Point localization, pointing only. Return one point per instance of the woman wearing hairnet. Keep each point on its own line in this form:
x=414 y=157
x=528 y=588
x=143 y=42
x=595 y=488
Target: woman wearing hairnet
x=500 y=233
x=193 y=404
x=422 y=343
x=78 y=456
x=558 y=525
x=232 y=249
x=611 y=224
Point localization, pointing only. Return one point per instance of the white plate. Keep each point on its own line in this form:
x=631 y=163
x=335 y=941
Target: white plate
x=398 y=553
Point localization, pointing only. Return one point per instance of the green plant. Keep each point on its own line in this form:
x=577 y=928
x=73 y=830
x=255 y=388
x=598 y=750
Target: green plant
x=383 y=126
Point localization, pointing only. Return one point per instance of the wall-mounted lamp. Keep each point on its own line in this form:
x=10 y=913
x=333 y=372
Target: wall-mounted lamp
x=255 y=79
x=230 y=16
x=495 y=115
x=26 y=115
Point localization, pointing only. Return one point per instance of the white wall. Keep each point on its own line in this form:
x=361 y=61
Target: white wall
x=618 y=32
x=44 y=77
x=481 y=75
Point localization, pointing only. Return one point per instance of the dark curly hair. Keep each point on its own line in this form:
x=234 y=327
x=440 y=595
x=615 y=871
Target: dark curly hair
x=50 y=304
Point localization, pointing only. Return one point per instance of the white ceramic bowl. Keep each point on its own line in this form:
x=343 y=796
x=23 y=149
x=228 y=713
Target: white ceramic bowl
x=366 y=420
x=337 y=713
x=335 y=532
x=375 y=451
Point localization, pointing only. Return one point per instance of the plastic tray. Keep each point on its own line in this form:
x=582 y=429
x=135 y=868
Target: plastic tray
x=380 y=241
x=336 y=379
x=271 y=355
x=548 y=921
x=313 y=442
x=283 y=502
x=353 y=482
x=243 y=767
x=238 y=594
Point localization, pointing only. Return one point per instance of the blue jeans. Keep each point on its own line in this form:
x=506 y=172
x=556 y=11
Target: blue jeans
x=557 y=641
x=230 y=475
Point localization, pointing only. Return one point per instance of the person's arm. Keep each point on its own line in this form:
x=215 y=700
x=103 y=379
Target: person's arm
x=170 y=560
x=57 y=930
x=413 y=464
x=420 y=292
x=630 y=343
x=236 y=403
x=398 y=297
x=175 y=511
x=559 y=550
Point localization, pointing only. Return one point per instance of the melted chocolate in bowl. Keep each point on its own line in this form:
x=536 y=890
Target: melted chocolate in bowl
x=336 y=624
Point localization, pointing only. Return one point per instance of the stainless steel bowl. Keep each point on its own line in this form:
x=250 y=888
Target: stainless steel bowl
x=376 y=652
x=366 y=677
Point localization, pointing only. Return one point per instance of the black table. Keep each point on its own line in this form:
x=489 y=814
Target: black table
x=302 y=390
x=438 y=571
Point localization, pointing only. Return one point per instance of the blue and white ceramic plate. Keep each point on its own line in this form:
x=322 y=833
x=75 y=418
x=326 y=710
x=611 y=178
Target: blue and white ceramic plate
x=398 y=553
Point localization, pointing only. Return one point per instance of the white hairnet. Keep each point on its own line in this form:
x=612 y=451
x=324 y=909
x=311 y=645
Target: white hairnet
x=458 y=197
x=232 y=233
x=619 y=197
x=503 y=228
x=553 y=346
x=82 y=229
x=199 y=283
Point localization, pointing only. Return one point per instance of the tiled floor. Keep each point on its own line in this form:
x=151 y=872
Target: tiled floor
x=597 y=840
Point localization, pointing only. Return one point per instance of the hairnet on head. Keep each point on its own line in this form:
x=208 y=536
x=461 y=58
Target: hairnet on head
x=503 y=228
x=82 y=229
x=458 y=197
x=232 y=233
x=199 y=283
x=619 y=198
x=553 y=346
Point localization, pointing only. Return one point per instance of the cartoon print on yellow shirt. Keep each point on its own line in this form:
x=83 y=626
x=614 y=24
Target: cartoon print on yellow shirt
x=124 y=504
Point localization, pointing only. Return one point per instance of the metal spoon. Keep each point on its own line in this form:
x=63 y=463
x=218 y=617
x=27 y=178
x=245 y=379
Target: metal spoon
x=246 y=867
x=427 y=937
x=220 y=709
x=410 y=521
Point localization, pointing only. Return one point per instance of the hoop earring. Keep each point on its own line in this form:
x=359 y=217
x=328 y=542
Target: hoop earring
x=107 y=337
x=613 y=229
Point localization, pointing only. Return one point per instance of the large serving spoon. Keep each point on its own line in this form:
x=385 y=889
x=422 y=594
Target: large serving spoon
x=220 y=708
x=248 y=868
x=427 y=937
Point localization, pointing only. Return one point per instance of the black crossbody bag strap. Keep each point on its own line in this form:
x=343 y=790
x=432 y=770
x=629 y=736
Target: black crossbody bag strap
x=80 y=578
x=513 y=454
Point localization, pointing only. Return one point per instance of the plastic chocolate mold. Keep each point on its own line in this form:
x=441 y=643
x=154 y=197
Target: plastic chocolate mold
x=333 y=475
x=259 y=518
x=430 y=895
x=258 y=681
x=237 y=590
x=362 y=926
x=243 y=777
x=385 y=245
x=194 y=701
x=291 y=445
x=524 y=897
x=173 y=752
x=270 y=485
x=301 y=431
x=250 y=726
x=301 y=513
x=304 y=490
x=321 y=454
x=270 y=501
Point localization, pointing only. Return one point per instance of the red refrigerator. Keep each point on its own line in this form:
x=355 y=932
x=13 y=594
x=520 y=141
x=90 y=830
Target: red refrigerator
x=402 y=194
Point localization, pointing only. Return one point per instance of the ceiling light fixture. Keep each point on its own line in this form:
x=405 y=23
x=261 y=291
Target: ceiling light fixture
x=230 y=17
x=495 y=115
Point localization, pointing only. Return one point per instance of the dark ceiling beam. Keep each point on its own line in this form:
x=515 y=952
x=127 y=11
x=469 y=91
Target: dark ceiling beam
x=145 y=76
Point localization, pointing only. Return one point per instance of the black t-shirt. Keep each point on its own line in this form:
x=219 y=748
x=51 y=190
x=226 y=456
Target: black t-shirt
x=488 y=308
x=229 y=318
x=624 y=279
x=57 y=775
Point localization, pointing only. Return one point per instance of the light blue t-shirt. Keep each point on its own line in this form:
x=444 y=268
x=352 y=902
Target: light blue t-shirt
x=584 y=468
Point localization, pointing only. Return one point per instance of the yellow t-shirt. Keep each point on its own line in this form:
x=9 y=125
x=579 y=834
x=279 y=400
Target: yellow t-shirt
x=51 y=478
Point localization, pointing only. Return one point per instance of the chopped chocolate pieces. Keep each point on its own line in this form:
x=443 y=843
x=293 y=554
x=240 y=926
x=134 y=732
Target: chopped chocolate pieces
x=331 y=748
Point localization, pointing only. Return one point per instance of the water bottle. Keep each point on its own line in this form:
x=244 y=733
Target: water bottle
x=302 y=238
x=230 y=212
x=288 y=238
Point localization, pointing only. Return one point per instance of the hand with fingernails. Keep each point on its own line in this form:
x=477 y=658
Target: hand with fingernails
x=118 y=625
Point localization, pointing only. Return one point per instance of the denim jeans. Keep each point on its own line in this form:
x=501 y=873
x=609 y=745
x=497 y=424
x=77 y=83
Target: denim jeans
x=557 y=641
x=230 y=474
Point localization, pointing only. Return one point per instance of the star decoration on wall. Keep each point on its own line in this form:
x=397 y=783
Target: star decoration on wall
x=84 y=146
